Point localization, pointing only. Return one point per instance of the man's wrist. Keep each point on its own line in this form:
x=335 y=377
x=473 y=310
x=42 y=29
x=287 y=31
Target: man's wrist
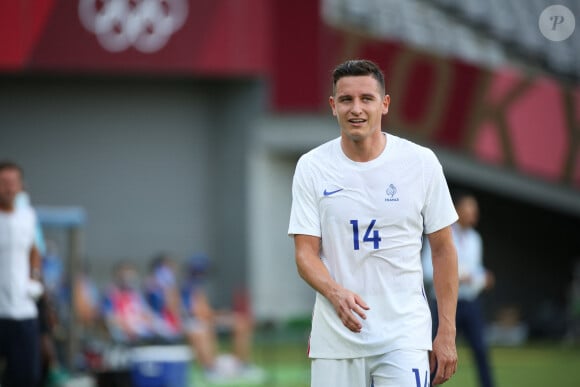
x=36 y=274
x=447 y=329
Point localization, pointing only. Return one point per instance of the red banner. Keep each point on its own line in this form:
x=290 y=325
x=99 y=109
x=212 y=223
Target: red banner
x=221 y=37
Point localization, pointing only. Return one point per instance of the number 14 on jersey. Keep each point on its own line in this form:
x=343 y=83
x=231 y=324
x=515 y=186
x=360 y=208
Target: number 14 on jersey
x=375 y=238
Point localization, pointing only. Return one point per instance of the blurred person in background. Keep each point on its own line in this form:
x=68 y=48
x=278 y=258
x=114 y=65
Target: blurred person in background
x=127 y=316
x=51 y=372
x=20 y=285
x=162 y=294
x=360 y=204
x=202 y=324
x=86 y=299
x=474 y=278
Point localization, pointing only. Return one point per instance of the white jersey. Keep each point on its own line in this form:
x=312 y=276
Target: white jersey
x=370 y=217
x=17 y=235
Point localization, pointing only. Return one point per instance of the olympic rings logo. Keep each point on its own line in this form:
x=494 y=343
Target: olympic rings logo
x=145 y=25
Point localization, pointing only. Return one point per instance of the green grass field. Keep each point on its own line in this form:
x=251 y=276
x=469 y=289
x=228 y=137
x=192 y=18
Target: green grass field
x=285 y=362
x=532 y=365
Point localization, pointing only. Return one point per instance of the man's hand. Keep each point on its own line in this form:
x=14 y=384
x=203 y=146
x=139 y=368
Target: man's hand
x=443 y=358
x=35 y=289
x=348 y=305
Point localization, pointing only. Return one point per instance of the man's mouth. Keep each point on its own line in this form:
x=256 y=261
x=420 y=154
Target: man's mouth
x=356 y=120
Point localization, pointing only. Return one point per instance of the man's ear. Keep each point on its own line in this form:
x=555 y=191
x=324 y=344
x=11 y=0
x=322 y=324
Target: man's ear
x=386 y=103
x=332 y=105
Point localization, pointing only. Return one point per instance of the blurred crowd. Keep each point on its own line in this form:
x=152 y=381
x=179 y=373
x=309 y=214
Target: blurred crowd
x=41 y=302
x=166 y=305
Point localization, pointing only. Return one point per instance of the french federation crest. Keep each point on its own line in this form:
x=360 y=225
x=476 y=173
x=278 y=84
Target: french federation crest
x=391 y=194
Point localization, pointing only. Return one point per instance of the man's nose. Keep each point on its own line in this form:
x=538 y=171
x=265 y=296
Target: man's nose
x=356 y=107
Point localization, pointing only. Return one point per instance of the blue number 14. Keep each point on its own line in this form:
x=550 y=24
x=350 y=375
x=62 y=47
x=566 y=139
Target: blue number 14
x=418 y=378
x=367 y=237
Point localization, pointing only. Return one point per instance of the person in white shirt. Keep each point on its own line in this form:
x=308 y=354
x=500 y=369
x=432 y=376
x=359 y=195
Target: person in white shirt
x=20 y=286
x=474 y=278
x=360 y=204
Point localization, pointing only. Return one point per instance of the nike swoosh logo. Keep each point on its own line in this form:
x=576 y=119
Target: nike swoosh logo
x=328 y=193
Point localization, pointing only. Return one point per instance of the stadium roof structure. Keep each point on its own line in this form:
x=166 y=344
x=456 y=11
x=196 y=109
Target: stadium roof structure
x=491 y=33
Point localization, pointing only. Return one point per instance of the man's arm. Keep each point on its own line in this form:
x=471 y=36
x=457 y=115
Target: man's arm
x=35 y=264
x=35 y=287
x=446 y=282
x=315 y=273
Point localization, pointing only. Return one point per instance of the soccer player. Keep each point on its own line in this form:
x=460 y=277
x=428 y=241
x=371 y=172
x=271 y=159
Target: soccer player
x=20 y=286
x=361 y=203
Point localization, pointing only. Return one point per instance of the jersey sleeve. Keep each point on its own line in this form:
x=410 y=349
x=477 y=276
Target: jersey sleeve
x=438 y=211
x=304 y=215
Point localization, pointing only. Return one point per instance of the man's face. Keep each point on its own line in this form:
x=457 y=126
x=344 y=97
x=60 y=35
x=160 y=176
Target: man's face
x=358 y=104
x=10 y=186
x=468 y=212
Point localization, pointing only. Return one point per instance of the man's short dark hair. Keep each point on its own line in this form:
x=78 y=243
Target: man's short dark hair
x=358 y=67
x=7 y=164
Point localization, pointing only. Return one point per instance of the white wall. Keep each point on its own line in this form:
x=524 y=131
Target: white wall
x=277 y=290
x=141 y=156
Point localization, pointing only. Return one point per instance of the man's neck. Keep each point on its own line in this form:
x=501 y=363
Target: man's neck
x=365 y=150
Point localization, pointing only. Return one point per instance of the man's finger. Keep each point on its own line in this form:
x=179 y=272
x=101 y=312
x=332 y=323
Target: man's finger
x=444 y=373
x=353 y=327
x=360 y=312
x=359 y=301
x=356 y=324
x=360 y=306
x=439 y=377
x=432 y=362
x=351 y=322
x=432 y=366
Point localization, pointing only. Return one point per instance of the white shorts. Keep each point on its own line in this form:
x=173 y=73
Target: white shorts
x=400 y=368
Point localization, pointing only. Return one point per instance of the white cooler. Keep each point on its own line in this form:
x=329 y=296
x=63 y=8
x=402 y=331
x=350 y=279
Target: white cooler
x=161 y=366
